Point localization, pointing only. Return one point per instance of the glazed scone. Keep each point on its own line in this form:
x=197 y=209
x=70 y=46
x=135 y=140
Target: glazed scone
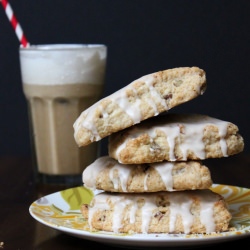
x=175 y=137
x=107 y=174
x=195 y=211
x=143 y=98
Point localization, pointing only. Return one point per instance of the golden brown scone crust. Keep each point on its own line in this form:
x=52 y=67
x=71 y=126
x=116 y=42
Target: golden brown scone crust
x=175 y=137
x=145 y=97
x=198 y=211
x=109 y=175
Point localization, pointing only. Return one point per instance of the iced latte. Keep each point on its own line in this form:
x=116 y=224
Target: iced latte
x=59 y=82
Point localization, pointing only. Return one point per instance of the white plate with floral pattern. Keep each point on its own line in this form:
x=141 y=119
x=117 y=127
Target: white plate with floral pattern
x=60 y=211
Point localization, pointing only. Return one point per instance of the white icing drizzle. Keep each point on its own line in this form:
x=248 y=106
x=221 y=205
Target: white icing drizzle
x=207 y=213
x=132 y=212
x=119 y=149
x=136 y=133
x=180 y=205
x=104 y=112
x=149 y=80
x=132 y=109
x=145 y=182
x=87 y=122
x=101 y=204
x=192 y=125
x=165 y=171
x=91 y=172
x=193 y=140
x=123 y=175
x=174 y=132
x=120 y=205
x=223 y=133
x=147 y=212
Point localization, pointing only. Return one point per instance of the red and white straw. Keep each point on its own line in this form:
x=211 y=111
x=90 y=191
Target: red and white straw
x=15 y=24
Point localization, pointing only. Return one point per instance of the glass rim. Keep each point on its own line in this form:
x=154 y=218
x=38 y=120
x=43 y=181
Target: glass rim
x=61 y=46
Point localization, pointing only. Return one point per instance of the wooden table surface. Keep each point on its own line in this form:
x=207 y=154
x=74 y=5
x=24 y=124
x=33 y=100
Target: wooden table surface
x=18 y=230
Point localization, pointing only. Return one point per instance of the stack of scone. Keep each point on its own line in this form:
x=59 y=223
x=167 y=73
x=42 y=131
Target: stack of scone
x=153 y=178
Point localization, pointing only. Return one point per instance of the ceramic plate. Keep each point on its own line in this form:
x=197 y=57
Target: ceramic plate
x=60 y=211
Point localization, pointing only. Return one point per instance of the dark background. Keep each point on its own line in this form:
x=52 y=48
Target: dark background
x=142 y=37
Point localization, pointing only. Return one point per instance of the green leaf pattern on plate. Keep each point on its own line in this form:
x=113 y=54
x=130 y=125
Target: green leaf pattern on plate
x=75 y=197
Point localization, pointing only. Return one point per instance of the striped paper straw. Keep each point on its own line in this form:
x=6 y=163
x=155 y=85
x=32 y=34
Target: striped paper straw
x=17 y=27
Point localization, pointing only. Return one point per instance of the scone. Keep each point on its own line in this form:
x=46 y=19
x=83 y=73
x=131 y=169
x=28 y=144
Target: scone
x=195 y=211
x=143 y=98
x=175 y=137
x=107 y=174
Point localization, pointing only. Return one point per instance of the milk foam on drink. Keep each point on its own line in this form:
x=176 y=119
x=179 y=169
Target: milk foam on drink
x=59 y=82
x=63 y=64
